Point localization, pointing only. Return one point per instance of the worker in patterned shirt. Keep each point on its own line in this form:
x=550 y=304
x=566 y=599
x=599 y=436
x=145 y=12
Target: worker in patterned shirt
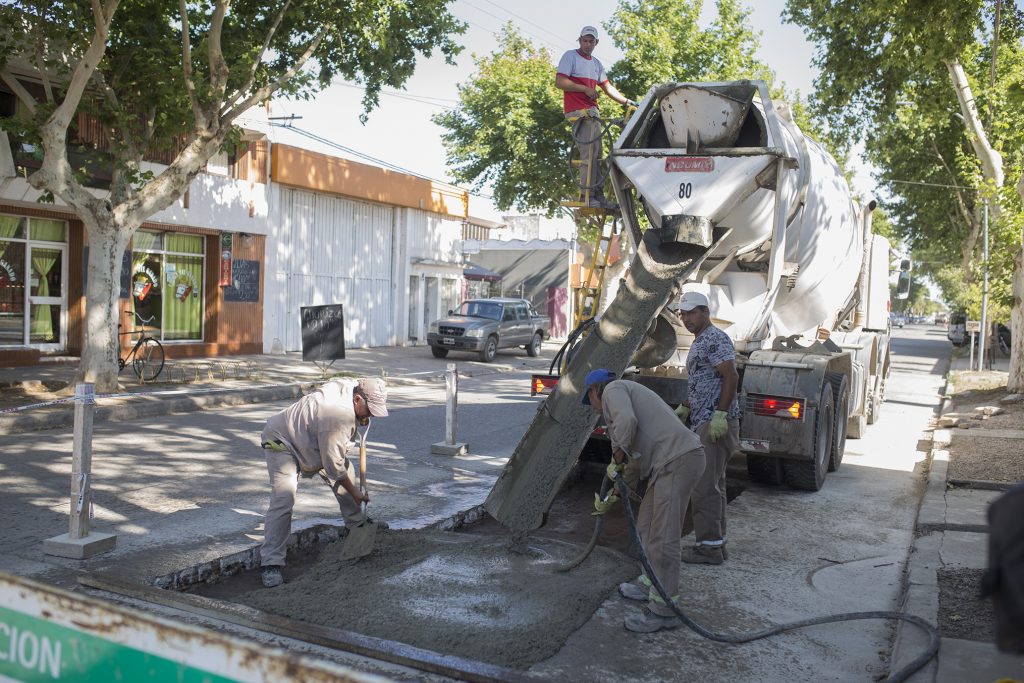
x=579 y=76
x=714 y=413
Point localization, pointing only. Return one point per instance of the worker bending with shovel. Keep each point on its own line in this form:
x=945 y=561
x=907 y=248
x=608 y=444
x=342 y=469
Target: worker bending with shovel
x=645 y=431
x=313 y=436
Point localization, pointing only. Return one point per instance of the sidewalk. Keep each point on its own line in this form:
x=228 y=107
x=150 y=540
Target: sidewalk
x=951 y=542
x=39 y=397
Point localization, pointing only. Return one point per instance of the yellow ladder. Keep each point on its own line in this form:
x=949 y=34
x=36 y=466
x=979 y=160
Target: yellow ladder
x=587 y=297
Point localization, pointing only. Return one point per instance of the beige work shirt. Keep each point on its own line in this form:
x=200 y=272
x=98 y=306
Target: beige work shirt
x=644 y=427
x=318 y=428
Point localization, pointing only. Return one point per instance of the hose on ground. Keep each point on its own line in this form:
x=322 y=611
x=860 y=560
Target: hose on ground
x=736 y=638
x=598 y=528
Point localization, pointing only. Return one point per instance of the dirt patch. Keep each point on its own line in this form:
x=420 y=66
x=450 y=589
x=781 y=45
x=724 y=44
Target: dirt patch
x=962 y=614
x=456 y=593
x=29 y=392
x=974 y=457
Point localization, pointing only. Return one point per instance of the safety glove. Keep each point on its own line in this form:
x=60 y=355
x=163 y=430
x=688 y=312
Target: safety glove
x=719 y=425
x=603 y=506
x=683 y=411
x=613 y=469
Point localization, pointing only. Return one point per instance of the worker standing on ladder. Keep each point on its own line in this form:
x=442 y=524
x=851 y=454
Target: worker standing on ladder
x=579 y=76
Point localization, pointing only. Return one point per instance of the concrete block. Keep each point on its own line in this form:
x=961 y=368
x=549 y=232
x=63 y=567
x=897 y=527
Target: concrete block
x=443 y=448
x=964 y=549
x=83 y=548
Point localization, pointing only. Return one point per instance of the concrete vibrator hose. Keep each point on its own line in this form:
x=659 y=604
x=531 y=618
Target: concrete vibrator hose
x=737 y=638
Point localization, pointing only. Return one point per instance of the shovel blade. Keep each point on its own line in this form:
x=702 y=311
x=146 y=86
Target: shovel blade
x=359 y=542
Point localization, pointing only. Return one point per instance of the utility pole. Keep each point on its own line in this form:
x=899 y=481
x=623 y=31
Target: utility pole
x=984 y=295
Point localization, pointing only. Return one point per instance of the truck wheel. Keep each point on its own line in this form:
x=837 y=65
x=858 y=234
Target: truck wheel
x=810 y=475
x=439 y=352
x=841 y=396
x=875 y=404
x=490 y=350
x=765 y=470
x=533 y=348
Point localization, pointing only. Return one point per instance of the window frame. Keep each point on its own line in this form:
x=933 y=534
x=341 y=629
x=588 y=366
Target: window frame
x=163 y=252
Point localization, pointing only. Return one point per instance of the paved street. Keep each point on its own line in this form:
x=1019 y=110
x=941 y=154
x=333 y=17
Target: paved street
x=182 y=489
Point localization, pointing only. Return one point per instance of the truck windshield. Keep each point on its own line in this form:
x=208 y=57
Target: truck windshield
x=481 y=309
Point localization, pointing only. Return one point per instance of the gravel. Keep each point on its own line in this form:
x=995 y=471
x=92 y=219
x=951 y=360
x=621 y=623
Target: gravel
x=962 y=614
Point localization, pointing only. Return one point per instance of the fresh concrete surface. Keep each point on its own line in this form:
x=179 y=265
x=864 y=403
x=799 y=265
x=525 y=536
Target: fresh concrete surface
x=968 y=661
x=182 y=489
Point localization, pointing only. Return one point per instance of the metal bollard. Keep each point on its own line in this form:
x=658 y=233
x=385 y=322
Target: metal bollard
x=449 y=446
x=79 y=542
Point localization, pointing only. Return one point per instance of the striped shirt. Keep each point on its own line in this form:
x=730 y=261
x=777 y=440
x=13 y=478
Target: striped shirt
x=584 y=70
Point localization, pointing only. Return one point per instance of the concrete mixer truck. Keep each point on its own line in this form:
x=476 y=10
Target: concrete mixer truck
x=741 y=206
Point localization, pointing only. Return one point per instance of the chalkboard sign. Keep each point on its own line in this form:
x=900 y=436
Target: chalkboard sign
x=323 y=332
x=125 y=277
x=245 y=281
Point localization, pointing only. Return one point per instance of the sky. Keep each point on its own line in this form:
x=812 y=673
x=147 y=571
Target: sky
x=400 y=132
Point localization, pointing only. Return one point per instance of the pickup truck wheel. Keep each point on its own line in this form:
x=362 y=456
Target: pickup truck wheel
x=439 y=352
x=841 y=396
x=810 y=475
x=533 y=348
x=765 y=470
x=490 y=350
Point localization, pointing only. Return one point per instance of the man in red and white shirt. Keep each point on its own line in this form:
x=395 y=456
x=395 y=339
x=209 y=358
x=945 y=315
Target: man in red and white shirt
x=579 y=75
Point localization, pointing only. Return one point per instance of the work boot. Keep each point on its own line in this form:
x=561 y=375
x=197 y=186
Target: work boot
x=703 y=554
x=649 y=622
x=631 y=591
x=272 y=577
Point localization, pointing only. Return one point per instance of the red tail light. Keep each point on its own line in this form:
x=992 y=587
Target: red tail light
x=776 y=406
x=542 y=385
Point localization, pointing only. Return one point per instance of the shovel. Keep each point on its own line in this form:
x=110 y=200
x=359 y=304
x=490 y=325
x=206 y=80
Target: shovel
x=359 y=542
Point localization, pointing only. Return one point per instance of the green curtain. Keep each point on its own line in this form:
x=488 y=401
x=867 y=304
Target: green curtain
x=48 y=230
x=12 y=226
x=41 y=329
x=183 y=303
x=187 y=244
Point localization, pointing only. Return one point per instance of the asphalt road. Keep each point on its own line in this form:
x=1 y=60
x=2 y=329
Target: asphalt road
x=182 y=489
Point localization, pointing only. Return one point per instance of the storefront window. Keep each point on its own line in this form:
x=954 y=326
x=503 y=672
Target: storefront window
x=167 y=285
x=32 y=265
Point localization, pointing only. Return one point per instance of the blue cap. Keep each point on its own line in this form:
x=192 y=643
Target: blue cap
x=595 y=377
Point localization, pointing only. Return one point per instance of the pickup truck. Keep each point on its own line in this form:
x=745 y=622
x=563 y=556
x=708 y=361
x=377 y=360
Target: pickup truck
x=485 y=325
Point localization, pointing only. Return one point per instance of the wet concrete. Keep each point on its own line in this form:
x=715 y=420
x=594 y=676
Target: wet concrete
x=455 y=593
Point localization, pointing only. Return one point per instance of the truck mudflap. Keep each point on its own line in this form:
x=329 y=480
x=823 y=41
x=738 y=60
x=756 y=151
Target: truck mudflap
x=779 y=399
x=547 y=452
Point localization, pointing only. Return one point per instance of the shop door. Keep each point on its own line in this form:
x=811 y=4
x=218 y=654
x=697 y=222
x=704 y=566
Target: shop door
x=47 y=297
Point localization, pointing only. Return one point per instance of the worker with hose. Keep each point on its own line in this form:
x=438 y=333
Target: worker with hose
x=714 y=414
x=643 y=428
x=579 y=76
x=313 y=436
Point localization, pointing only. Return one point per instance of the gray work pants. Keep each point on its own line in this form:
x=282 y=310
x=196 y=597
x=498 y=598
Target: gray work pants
x=709 y=497
x=284 y=479
x=660 y=521
x=586 y=133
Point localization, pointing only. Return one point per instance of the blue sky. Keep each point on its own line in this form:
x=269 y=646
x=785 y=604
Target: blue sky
x=400 y=132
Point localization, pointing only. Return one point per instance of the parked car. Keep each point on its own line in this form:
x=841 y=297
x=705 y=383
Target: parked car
x=956 y=332
x=483 y=326
x=897 y=319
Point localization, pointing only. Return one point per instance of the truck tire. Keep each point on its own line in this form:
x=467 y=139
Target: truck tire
x=765 y=470
x=841 y=396
x=809 y=475
x=533 y=348
x=439 y=352
x=490 y=350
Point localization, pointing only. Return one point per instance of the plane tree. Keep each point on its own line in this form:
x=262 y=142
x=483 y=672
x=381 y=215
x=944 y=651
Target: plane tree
x=173 y=79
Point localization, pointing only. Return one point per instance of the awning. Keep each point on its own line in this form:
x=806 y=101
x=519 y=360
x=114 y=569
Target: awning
x=471 y=271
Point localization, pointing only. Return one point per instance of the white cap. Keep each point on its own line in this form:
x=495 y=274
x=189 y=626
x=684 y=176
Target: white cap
x=690 y=301
x=588 y=31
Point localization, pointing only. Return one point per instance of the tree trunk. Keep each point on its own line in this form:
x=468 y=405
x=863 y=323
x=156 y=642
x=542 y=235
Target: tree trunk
x=100 y=343
x=1015 y=382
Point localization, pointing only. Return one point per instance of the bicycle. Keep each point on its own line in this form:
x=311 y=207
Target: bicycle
x=147 y=356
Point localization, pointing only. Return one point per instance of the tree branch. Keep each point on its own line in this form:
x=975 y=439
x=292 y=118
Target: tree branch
x=186 y=67
x=266 y=91
x=218 y=67
x=954 y=181
x=991 y=160
x=259 y=57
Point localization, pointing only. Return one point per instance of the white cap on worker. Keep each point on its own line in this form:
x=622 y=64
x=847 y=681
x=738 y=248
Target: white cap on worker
x=588 y=31
x=692 y=300
x=376 y=394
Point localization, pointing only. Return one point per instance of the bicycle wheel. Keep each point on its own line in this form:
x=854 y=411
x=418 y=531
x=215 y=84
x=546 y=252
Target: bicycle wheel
x=149 y=359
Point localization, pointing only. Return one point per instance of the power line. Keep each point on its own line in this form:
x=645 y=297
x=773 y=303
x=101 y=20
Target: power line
x=421 y=99
x=380 y=162
x=503 y=20
x=522 y=18
x=919 y=182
